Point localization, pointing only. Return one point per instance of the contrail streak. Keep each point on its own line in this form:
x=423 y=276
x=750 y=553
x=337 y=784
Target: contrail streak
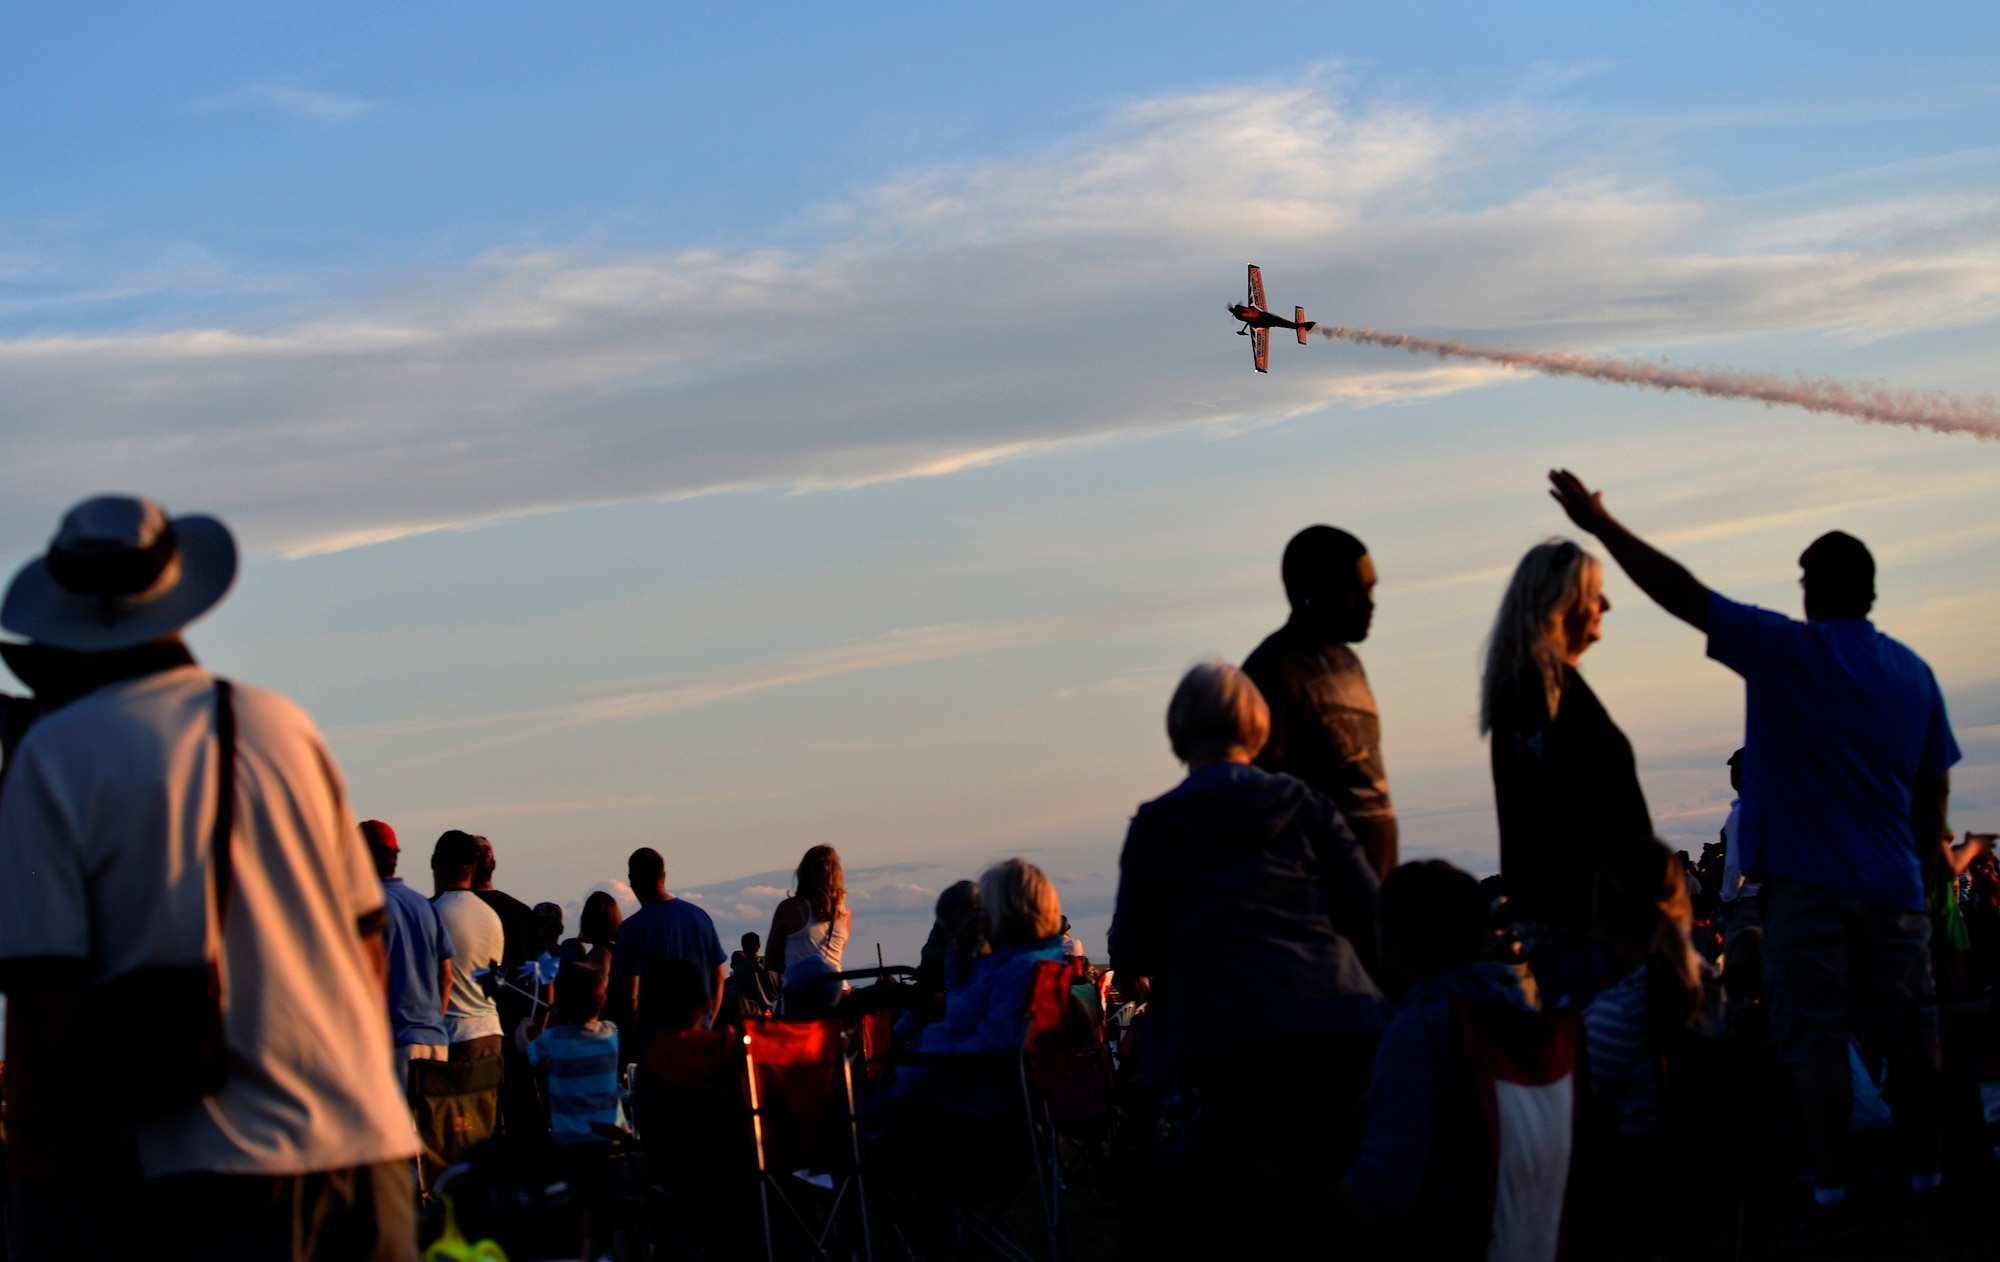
x=1864 y=400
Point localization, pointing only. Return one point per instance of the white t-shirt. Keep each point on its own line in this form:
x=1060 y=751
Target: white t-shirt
x=477 y=939
x=1734 y=887
x=105 y=834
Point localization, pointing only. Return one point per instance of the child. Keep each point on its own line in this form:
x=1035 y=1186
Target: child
x=1428 y=1169
x=580 y=1056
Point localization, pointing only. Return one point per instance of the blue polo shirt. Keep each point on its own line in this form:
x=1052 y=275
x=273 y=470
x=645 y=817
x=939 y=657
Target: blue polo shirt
x=1839 y=723
x=417 y=943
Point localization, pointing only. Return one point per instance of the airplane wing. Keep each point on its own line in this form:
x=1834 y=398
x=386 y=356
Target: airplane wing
x=1260 y=346
x=1257 y=288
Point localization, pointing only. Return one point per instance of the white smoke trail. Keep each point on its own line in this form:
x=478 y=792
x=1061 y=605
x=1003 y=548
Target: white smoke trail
x=1864 y=400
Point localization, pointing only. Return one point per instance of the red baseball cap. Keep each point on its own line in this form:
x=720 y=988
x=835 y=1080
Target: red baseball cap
x=379 y=834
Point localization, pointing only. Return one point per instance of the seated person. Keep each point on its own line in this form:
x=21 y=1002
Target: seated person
x=985 y=1011
x=752 y=988
x=579 y=1055
x=948 y=955
x=1415 y=1180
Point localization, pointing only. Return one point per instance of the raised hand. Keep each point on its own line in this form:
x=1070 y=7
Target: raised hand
x=1584 y=506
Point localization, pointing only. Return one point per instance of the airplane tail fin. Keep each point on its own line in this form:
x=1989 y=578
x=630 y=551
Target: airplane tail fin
x=1305 y=325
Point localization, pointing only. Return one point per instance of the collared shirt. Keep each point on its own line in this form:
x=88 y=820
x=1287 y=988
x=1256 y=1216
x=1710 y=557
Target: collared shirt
x=417 y=944
x=1325 y=729
x=1840 y=722
x=478 y=942
x=104 y=861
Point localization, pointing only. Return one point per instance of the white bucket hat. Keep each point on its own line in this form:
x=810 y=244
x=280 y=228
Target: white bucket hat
x=120 y=573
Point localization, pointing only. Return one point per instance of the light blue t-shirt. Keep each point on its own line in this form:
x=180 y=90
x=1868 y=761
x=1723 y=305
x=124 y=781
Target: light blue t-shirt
x=1839 y=723
x=417 y=943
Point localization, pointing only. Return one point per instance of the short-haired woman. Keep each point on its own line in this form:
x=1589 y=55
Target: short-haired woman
x=1244 y=898
x=809 y=932
x=1565 y=785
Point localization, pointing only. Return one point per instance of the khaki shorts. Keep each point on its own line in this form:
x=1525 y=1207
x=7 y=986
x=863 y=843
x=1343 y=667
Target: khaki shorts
x=1837 y=966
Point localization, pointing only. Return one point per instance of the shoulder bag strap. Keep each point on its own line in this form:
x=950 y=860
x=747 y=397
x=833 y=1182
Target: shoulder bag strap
x=225 y=805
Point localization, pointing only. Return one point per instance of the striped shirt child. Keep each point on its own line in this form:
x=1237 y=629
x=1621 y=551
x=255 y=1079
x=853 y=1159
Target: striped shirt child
x=582 y=1063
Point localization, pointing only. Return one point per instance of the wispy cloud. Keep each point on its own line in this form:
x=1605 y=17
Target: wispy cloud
x=955 y=317
x=324 y=107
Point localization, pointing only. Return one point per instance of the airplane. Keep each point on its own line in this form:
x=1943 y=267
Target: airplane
x=1258 y=322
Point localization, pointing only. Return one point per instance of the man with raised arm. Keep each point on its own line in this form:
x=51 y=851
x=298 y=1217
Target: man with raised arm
x=1846 y=771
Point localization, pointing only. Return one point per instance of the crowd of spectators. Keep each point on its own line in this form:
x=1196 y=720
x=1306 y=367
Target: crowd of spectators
x=227 y=1005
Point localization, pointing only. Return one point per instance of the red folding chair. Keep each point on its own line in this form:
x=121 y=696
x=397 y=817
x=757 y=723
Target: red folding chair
x=800 y=1091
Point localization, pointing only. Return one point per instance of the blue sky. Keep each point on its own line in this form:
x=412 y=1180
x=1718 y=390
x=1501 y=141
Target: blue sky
x=729 y=431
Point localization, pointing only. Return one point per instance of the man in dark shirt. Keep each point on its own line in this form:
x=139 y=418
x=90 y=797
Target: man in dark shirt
x=664 y=928
x=521 y=1108
x=1324 y=726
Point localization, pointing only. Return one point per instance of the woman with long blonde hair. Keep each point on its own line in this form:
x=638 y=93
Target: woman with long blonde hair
x=809 y=931
x=1565 y=784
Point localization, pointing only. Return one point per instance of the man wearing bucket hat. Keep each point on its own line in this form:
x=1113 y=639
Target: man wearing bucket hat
x=190 y=929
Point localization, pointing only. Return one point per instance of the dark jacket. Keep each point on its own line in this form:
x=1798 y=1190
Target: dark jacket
x=1243 y=896
x=1415 y=1165
x=1326 y=731
x=1566 y=790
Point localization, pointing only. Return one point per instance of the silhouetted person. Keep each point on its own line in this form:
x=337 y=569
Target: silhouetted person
x=1565 y=783
x=198 y=1046
x=419 y=952
x=664 y=928
x=1425 y=1174
x=1846 y=774
x=1324 y=726
x=478 y=942
x=1244 y=898
x=524 y=938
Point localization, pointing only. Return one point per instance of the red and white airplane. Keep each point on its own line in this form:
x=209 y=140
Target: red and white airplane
x=1258 y=322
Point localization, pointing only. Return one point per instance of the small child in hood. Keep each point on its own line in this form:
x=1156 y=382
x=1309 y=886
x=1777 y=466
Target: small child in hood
x=579 y=1053
x=1414 y=1177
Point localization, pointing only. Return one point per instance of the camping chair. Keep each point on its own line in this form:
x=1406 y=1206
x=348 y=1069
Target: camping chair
x=1024 y=1074
x=456 y=1105
x=799 y=1088
x=689 y=1110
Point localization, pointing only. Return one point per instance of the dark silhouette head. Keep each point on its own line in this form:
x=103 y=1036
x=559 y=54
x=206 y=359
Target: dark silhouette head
x=1330 y=581
x=598 y=923
x=752 y=944
x=482 y=871
x=454 y=859
x=683 y=994
x=646 y=871
x=1838 y=577
x=1435 y=918
x=956 y=904
x=579 y=994
x=1736 y=771
x=551 y=917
